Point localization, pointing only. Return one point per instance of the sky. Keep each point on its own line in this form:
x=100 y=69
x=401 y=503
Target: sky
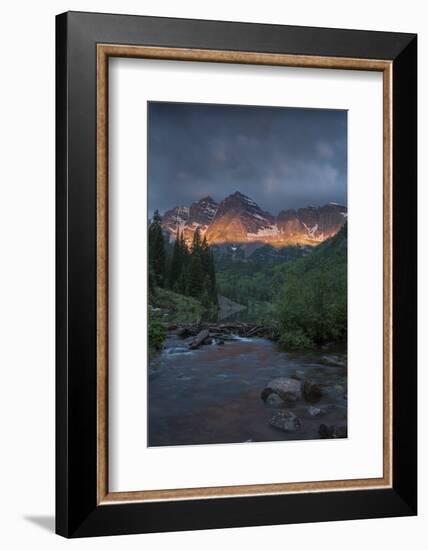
x=280 y=157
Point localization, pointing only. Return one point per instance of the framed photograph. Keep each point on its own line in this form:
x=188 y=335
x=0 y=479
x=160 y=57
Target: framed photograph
x=236 y=274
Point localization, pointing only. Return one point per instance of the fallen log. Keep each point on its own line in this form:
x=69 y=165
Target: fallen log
x=199 y=339
x=255 y=330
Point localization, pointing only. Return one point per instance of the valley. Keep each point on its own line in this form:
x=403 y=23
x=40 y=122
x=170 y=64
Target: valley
x=247 y=338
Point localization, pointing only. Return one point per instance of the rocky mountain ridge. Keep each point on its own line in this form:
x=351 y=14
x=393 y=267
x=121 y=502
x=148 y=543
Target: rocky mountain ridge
x=238 y=219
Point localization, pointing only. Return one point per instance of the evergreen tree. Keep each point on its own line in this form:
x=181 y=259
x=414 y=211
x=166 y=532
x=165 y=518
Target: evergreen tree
x=212 y=277
x=197 y=242
x=152 y=283
x=183 y=282
x=206 y=299
x=196 y=268
x=190 y=271
x=205 y=251
x=195 y=276
x=176 y=263
x=185 y=253
x=178 y=286
x=157 y=255
x=312 y=305
x=209 y=270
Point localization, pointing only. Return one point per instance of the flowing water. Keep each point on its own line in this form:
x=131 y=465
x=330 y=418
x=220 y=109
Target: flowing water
x=212 y=394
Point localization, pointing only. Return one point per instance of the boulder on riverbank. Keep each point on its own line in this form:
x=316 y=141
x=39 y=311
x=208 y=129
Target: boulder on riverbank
x=285 y=420
x=287 y=389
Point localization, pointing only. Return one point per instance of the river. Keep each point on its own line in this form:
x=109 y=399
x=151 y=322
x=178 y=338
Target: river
x=212 y=394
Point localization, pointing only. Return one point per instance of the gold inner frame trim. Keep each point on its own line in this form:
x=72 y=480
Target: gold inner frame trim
x=104 y=51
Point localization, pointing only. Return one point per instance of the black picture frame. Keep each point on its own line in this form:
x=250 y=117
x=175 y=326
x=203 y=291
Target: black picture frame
x=77 y=511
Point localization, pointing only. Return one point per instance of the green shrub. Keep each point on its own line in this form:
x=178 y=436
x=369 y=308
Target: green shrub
x=312 y=305
x=295 y=339
x=157 y=334
x=175 y=308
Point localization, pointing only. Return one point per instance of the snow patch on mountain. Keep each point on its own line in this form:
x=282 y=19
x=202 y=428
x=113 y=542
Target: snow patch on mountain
x=270 y=231
x=239 y=219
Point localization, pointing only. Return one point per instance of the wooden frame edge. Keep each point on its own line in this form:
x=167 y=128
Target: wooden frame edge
x=102 y=274
x=103 y=52
x=387 y=275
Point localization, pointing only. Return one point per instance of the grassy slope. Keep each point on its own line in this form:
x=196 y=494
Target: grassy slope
x=255 y=281
x=312 y=304
x=171 y=307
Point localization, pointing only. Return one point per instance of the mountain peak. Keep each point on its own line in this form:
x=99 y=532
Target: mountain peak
x=239 y=195
x=240 y=198
x=239 y=219
x=208 y=198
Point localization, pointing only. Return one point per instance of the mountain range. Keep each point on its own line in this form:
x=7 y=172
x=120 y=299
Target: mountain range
x=238 y=219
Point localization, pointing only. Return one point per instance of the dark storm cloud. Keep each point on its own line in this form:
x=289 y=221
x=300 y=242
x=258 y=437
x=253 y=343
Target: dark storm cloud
x=281 y=158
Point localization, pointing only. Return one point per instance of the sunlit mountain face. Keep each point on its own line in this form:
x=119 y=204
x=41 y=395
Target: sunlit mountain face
x=238 y=219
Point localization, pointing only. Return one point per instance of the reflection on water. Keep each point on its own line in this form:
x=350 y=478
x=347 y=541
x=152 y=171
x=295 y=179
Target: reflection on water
x=212 y=394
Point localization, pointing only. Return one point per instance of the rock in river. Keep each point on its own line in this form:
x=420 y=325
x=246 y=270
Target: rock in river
x=285 y=420
x=273 y=400
x=183 y=332
x=322 y=409
x=298 y=375
x=332 y=432
x=311 y=391
x=287 y=389
x=315 y=411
